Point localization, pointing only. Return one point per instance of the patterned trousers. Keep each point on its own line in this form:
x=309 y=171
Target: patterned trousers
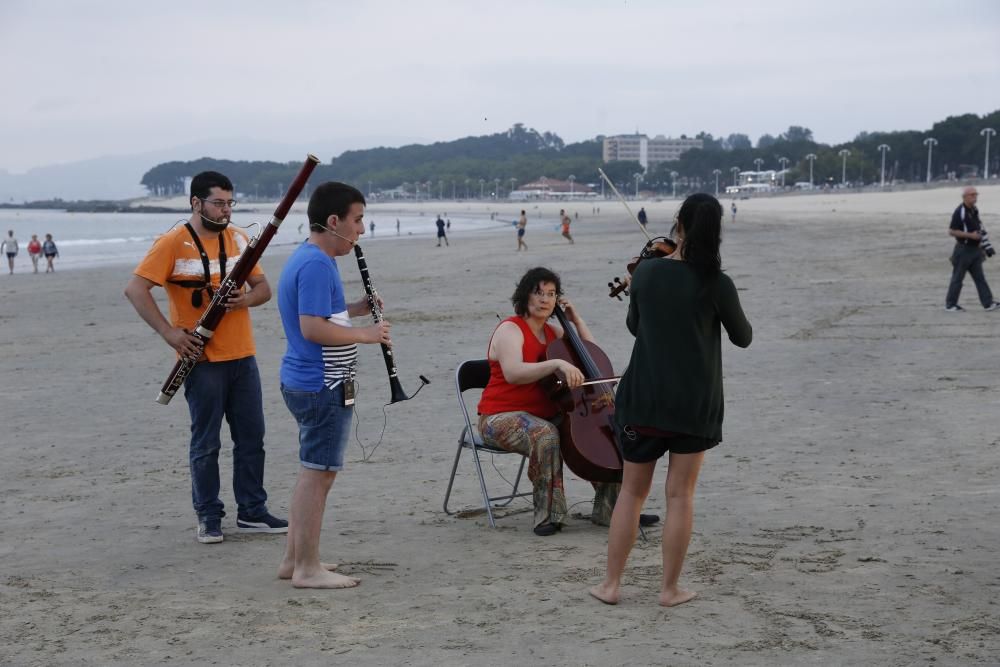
x=538 y=439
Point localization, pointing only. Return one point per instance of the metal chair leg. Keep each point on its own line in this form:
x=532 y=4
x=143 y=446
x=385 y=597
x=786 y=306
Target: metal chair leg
x=454 y=468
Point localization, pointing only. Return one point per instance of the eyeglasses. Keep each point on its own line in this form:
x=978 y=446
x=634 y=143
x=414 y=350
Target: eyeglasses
x=220 y=203
x=545 y=295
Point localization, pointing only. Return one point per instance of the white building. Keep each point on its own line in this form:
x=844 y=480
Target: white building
x=647 y=152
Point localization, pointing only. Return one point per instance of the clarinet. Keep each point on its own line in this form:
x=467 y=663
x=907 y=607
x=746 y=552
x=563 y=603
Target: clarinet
x=233 y=282
x=396 y=389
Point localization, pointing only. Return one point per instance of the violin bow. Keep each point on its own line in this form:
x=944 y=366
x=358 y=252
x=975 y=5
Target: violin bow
x=624 y=203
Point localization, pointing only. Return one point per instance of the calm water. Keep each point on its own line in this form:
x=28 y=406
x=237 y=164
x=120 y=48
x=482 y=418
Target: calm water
x=99 y=239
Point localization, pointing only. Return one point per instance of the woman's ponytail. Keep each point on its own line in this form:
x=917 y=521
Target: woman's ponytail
x=701 y=219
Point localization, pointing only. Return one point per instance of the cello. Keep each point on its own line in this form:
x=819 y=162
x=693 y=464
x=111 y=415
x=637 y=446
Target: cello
x=587 y=432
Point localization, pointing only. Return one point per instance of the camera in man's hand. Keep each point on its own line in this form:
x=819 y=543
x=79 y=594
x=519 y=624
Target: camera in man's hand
x=984 y=243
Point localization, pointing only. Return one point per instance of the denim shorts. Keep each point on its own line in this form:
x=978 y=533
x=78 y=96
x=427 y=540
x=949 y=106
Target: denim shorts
x=324 y=425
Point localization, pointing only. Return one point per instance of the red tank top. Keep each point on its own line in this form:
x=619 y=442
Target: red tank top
x=501 y=396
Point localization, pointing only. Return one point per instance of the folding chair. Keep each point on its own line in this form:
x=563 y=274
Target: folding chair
x=475 y=374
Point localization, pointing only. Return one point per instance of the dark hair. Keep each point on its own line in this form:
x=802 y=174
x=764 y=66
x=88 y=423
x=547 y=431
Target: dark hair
x=701 y=219
x=529 y=283
x=331 y=198
x=202 y=184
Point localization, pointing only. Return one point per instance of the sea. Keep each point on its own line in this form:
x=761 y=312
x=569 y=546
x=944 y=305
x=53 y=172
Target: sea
x=88 y=240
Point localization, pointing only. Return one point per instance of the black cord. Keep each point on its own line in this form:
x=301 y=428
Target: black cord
x=366 y=456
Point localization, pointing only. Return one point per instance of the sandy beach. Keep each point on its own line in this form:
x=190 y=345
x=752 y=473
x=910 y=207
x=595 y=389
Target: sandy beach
x=849 y=516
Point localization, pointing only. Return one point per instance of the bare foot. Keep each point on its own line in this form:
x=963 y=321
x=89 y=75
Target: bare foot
x=605 y=593
x=676 y=596
x=325 y=579
x=286 y=568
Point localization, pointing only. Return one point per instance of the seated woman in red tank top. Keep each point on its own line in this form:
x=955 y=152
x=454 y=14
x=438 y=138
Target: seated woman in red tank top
x=516 y=414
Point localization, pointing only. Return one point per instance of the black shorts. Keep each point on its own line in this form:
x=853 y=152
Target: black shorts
x=640 y=448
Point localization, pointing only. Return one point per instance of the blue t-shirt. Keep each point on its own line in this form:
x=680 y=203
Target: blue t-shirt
x=310 y=285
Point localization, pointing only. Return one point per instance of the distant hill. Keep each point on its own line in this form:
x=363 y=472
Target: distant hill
x=458 y=166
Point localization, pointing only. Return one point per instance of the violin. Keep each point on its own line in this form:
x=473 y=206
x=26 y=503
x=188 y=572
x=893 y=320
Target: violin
x=660 y=246
x=587 y=431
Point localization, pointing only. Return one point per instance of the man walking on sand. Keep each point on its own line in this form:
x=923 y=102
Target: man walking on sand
x=9 y=246
x=968 y=255
x=522 y=223
x=189 y=262
x=440 y=231
x=318 y=370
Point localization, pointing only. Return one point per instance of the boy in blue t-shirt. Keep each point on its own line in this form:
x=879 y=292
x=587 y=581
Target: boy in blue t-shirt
x=317 y=371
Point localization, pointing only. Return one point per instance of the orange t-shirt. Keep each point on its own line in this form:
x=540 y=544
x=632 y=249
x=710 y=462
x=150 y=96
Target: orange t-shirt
x=174 y=256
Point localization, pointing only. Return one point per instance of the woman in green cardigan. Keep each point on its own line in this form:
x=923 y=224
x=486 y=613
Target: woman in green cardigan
x=670 y=398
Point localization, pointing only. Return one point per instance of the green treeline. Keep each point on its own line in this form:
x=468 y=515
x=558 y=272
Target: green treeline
x=472 y=166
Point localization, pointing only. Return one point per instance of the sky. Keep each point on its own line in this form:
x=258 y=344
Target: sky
x=263 y=80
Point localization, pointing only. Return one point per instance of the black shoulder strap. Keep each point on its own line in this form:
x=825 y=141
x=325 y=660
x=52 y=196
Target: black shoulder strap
x=204 y=255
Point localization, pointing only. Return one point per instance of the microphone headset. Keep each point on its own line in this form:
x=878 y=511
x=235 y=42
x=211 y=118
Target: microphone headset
x=333 y=231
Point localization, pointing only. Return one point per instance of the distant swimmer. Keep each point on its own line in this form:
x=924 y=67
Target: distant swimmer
x=565 y=225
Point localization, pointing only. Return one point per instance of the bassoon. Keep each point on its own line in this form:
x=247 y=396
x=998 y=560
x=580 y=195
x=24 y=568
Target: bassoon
x=233 y=282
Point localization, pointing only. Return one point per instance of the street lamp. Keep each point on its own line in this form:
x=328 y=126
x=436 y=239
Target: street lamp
x=717 y=172
x=512 y=182
x=783 y=161
x=812 y=158
x=930 y=142
x=496 y=188
x=987 y=132
x=369 y=189
x=466 y=188
x=843 y=172
x=884 y=148
x=757 y=164
x=637 y=177
x=440 y=189
x=572 y=179
x=736 y=174
x=482 y=188
x=673 y=183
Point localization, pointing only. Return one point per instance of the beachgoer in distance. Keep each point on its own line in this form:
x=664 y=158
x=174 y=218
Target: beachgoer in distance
x=371 y=226
x=50 y=251
x=34 y=250
x=968 y=254
x=642 y=216
x=441 y=236
x=521 y=224
x=318 y=370
x=516 y=414
x=189 y=262
x=397 y=226
x=670 y=397
x=9 y=246
x=564 y=219
x=733 y=207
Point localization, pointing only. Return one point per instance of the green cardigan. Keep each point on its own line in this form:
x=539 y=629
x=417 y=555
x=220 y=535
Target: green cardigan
x=674 y=378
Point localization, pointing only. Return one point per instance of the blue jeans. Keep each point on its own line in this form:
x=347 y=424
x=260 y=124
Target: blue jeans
x=229 y=389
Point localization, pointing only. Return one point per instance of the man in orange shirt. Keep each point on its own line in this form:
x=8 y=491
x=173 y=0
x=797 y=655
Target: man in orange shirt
x=189 y=262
